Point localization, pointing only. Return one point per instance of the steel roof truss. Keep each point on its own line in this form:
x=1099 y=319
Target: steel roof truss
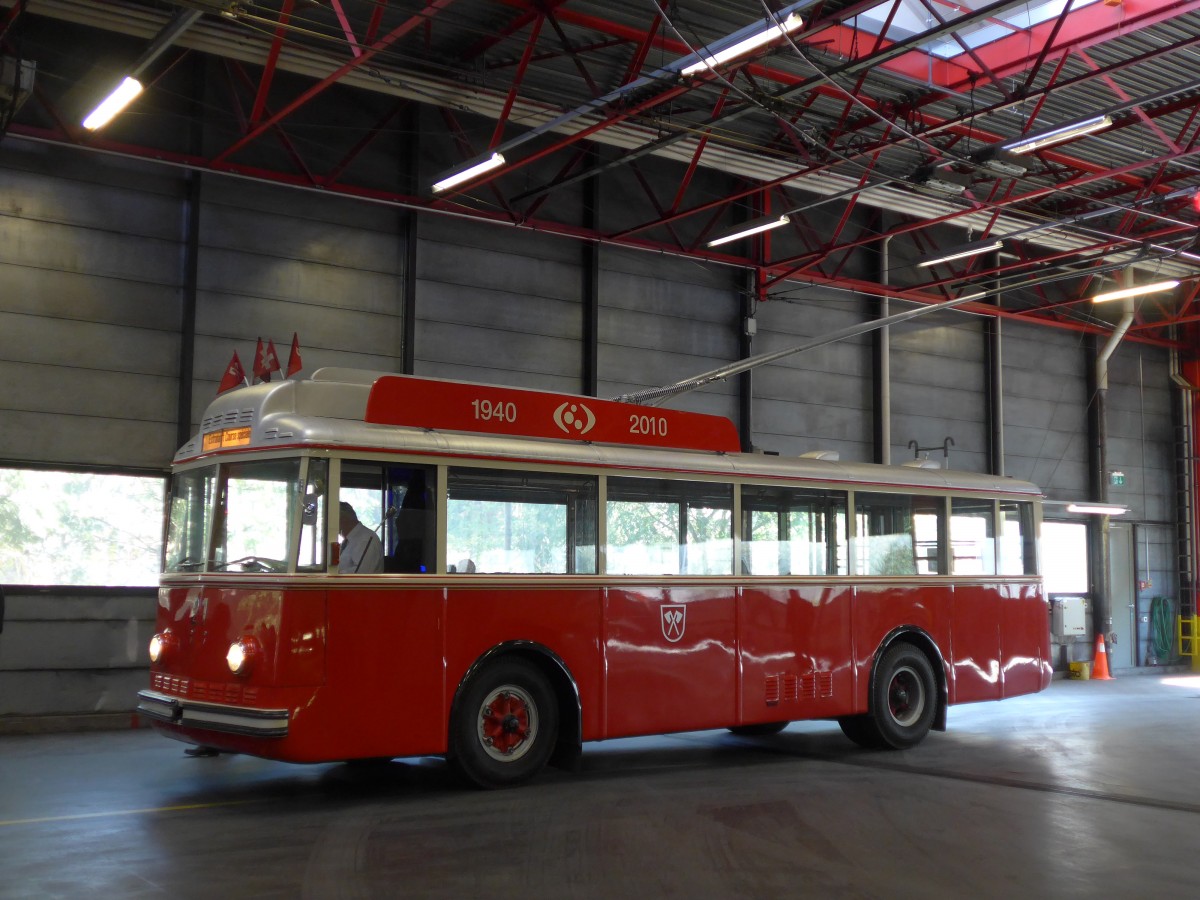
x=431 y=9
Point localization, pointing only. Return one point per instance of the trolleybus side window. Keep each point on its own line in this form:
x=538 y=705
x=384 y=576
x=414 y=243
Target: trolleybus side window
x=1018 y=547
x=897 y=534
x=666 y=527
x=397 y=504
x=972 y=536
x=792 y=531
x=540 y=523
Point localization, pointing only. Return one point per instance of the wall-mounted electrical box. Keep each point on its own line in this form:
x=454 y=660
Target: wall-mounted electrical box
x=1068 y=615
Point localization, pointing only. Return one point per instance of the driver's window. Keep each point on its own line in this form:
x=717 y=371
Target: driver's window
x=360 y=518
x=392 y=509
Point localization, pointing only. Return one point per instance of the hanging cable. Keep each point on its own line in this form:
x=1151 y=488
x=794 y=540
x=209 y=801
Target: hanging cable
x=1162 y=628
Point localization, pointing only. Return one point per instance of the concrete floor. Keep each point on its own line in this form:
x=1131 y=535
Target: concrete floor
x=1087 y=790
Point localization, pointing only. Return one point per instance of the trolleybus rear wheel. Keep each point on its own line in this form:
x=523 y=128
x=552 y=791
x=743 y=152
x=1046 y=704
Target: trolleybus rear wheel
x=505 y=725
x=904 y=700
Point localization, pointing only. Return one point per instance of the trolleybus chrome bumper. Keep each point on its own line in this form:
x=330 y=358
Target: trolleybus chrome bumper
x=213 y=716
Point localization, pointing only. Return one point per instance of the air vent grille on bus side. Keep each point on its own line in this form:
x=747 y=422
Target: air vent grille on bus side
x=782 y=688
x=228 y=419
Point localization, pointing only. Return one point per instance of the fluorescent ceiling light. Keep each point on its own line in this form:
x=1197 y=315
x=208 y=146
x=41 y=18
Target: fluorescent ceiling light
x=1058 y=135
x=754 y=226
x=1136 y=291
x=996 y=160
x=744 y=46
x=1096 y=509
x=113 y=104
x=494 y=161
x=962 y=252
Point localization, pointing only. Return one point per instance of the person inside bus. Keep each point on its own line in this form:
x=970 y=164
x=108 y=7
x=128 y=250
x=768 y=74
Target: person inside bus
x=361 y=553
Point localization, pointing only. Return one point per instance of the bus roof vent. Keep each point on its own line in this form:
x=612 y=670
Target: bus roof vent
x=922 y=464
x=831 y=455
x=228 y=419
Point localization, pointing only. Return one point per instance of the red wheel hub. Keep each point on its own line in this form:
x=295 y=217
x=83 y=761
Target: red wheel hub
x=505 y=721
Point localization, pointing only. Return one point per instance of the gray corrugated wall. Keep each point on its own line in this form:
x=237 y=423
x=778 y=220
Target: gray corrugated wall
x=663 y=319
x=498 y=305
x=1045 y=409
x=63 y=655
x=273 y=263
x=939 y=391
x=1141 y=433
x=89 y=308
x=819 y=399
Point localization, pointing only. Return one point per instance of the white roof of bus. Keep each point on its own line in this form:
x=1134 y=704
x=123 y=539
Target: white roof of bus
x=327 y=411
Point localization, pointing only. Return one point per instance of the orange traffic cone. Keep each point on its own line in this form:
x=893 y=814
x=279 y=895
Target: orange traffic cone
x=1100 y=666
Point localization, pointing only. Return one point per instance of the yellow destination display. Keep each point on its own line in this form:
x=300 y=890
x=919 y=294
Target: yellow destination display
x=230 y=437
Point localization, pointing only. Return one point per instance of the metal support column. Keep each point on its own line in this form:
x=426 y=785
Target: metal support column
x=746 y=329
x=992 y=335
x=409 y=177
x=187 y=312
x=1098 y=534
x=190 y=262
x=590 y=331
x=881 y=355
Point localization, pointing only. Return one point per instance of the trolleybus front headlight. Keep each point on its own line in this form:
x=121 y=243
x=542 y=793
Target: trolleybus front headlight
x=162 y=645
x=242 y=654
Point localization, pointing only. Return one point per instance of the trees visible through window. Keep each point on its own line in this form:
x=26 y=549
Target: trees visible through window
x=80 y=528
x=897 y=534
x=791 y=531
x=662 y=527
x=520 y=522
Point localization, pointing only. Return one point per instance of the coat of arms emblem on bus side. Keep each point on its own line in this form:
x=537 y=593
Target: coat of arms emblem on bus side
x=674 y=621
x=574 y=418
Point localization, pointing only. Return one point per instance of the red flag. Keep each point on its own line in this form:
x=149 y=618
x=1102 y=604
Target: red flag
x=234 y=375
x=261 y=372
x=294 y=363
x=271 y=360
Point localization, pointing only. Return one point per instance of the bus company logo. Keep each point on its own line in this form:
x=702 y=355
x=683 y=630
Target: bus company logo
x=574 y=419
x=674 y=621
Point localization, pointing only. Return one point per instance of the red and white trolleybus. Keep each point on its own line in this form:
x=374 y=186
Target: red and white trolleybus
x=556 y=569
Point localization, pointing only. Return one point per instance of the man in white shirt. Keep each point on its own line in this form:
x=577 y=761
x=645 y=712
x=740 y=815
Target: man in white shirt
x=361 y=551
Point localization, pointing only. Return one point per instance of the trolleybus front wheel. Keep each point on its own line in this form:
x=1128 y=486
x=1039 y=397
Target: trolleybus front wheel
x=505 y=725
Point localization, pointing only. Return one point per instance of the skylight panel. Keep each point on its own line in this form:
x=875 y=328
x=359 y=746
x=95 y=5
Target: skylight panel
x=913 y=18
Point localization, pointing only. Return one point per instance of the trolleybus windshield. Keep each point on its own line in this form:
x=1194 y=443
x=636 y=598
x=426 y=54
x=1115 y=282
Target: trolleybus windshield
x=248 y=516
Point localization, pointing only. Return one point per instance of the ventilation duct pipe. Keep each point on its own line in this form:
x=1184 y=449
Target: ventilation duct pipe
x=1100 y=572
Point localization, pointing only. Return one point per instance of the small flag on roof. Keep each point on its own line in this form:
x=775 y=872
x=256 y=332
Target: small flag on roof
x=235 y=375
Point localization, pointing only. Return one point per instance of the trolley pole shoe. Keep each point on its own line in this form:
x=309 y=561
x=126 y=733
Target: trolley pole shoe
x=1100 y=666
